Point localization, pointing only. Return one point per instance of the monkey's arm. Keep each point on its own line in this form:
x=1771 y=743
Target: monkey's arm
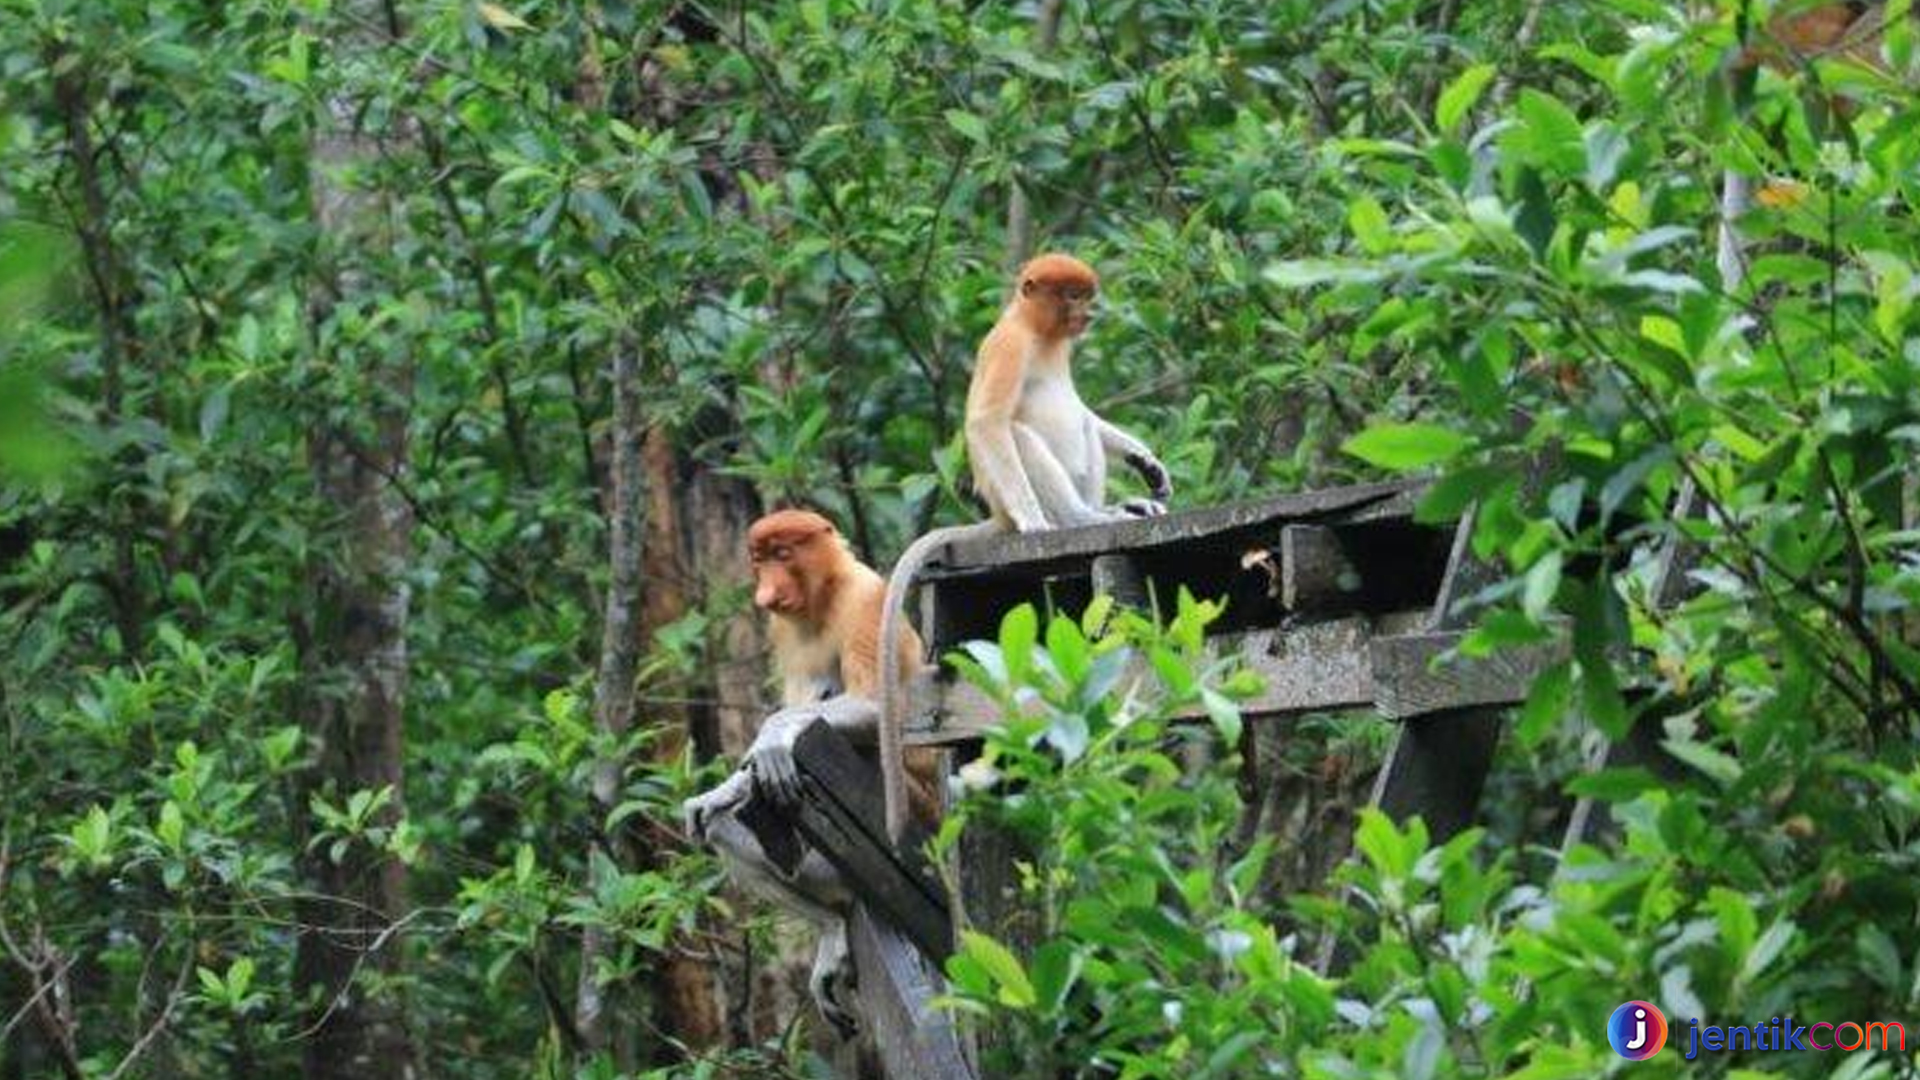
x=998 y=470
x=1136 y=454
x=771 y=756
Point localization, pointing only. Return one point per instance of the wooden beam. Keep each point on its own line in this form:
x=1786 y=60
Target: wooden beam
x=839 y=814
x=1312 y=668
x=1410 y=679
x=896 y=987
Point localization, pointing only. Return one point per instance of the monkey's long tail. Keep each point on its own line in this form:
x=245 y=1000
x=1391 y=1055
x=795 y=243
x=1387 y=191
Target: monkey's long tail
x=893 y=765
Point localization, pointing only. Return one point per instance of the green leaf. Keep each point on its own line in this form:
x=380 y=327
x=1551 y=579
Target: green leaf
x=1371 y=228
x=1019 y=629
x=1739 y=925
x=172 y=827
x=559 y=706
x=1056 y=967
x=1383 y=845
x=1542 y=582
x=1715 y=764
x=1767 y=949
x=1305 y=273
x=92 y=837
x=1014 y=989
x=1552 y=136
x=1404 y=447
x=1093 y=621
x=1460 y=96
x=969 y=125
x=211 y=983
x=1546 y=704
x=1068 y=648
x=1224 y=714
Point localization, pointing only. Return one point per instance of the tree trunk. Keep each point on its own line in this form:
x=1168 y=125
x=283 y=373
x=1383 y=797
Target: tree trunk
x=1046 y=33
x=119 y=338
x=613 y=687
x=355 y=651
x=685 y=986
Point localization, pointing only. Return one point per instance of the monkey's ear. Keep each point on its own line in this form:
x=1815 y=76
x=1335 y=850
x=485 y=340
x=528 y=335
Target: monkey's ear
x=1026 y=287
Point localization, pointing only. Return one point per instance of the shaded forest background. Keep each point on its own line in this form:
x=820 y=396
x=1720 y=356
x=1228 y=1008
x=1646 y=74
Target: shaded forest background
x=387 y=387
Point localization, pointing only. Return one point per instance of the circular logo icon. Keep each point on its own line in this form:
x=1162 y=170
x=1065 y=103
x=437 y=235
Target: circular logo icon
x=1637 y=1030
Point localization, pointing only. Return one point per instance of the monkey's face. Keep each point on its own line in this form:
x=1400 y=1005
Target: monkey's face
x=786 y=574
x=1064 y=310
x=1076 y=309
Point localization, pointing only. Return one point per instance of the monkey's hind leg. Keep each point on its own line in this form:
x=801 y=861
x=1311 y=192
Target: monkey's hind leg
x=832 y=980
x=1052 y=485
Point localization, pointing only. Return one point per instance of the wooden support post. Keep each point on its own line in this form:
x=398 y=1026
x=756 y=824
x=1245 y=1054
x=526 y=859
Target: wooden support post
x=1641 y=747
x=1315 y=574
x=1439 y=761
x=990 y=901
x=1119 y=576
x=897 y=986
x=1437 y=767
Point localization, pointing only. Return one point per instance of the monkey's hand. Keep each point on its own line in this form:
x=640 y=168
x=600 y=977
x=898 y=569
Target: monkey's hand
x=770 y=758
x=1154 y=475
x=703 y=808
x=1139 y=508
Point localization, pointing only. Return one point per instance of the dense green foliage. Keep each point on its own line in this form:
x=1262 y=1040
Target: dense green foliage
x=1457 y=237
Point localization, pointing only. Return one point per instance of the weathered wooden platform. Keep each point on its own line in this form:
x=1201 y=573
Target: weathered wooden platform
x=1330 y=596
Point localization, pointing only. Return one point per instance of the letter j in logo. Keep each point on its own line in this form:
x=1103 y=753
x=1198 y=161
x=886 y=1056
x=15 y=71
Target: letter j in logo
x=1637 y=1030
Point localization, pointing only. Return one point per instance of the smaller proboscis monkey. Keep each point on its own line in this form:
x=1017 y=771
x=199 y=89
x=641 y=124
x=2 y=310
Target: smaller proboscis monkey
x=1039 y=455
x=824 y=609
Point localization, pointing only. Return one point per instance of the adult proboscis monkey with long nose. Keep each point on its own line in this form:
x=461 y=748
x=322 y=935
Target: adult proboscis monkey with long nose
x=823 y=607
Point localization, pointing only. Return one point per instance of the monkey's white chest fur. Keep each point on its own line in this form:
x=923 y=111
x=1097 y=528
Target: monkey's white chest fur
x=1052 y=409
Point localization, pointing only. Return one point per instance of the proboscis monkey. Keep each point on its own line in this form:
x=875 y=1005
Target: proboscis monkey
x=824 y=609
x=1039 y=455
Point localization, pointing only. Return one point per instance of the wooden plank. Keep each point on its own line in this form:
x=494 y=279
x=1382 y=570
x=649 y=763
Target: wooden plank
x=1312 y=668
x=840 y=814
x=1407 y=682
x=896 y=990
x=1013 y=552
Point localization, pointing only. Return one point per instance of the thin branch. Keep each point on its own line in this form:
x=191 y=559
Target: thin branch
x=386 y=934
x=174 y=997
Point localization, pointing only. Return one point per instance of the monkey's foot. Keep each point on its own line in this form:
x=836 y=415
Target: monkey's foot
x=832 y=981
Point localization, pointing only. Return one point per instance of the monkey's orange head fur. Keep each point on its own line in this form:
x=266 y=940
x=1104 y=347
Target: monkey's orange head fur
x=1056 y=294
x=795 y=554
x=1056 y=270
